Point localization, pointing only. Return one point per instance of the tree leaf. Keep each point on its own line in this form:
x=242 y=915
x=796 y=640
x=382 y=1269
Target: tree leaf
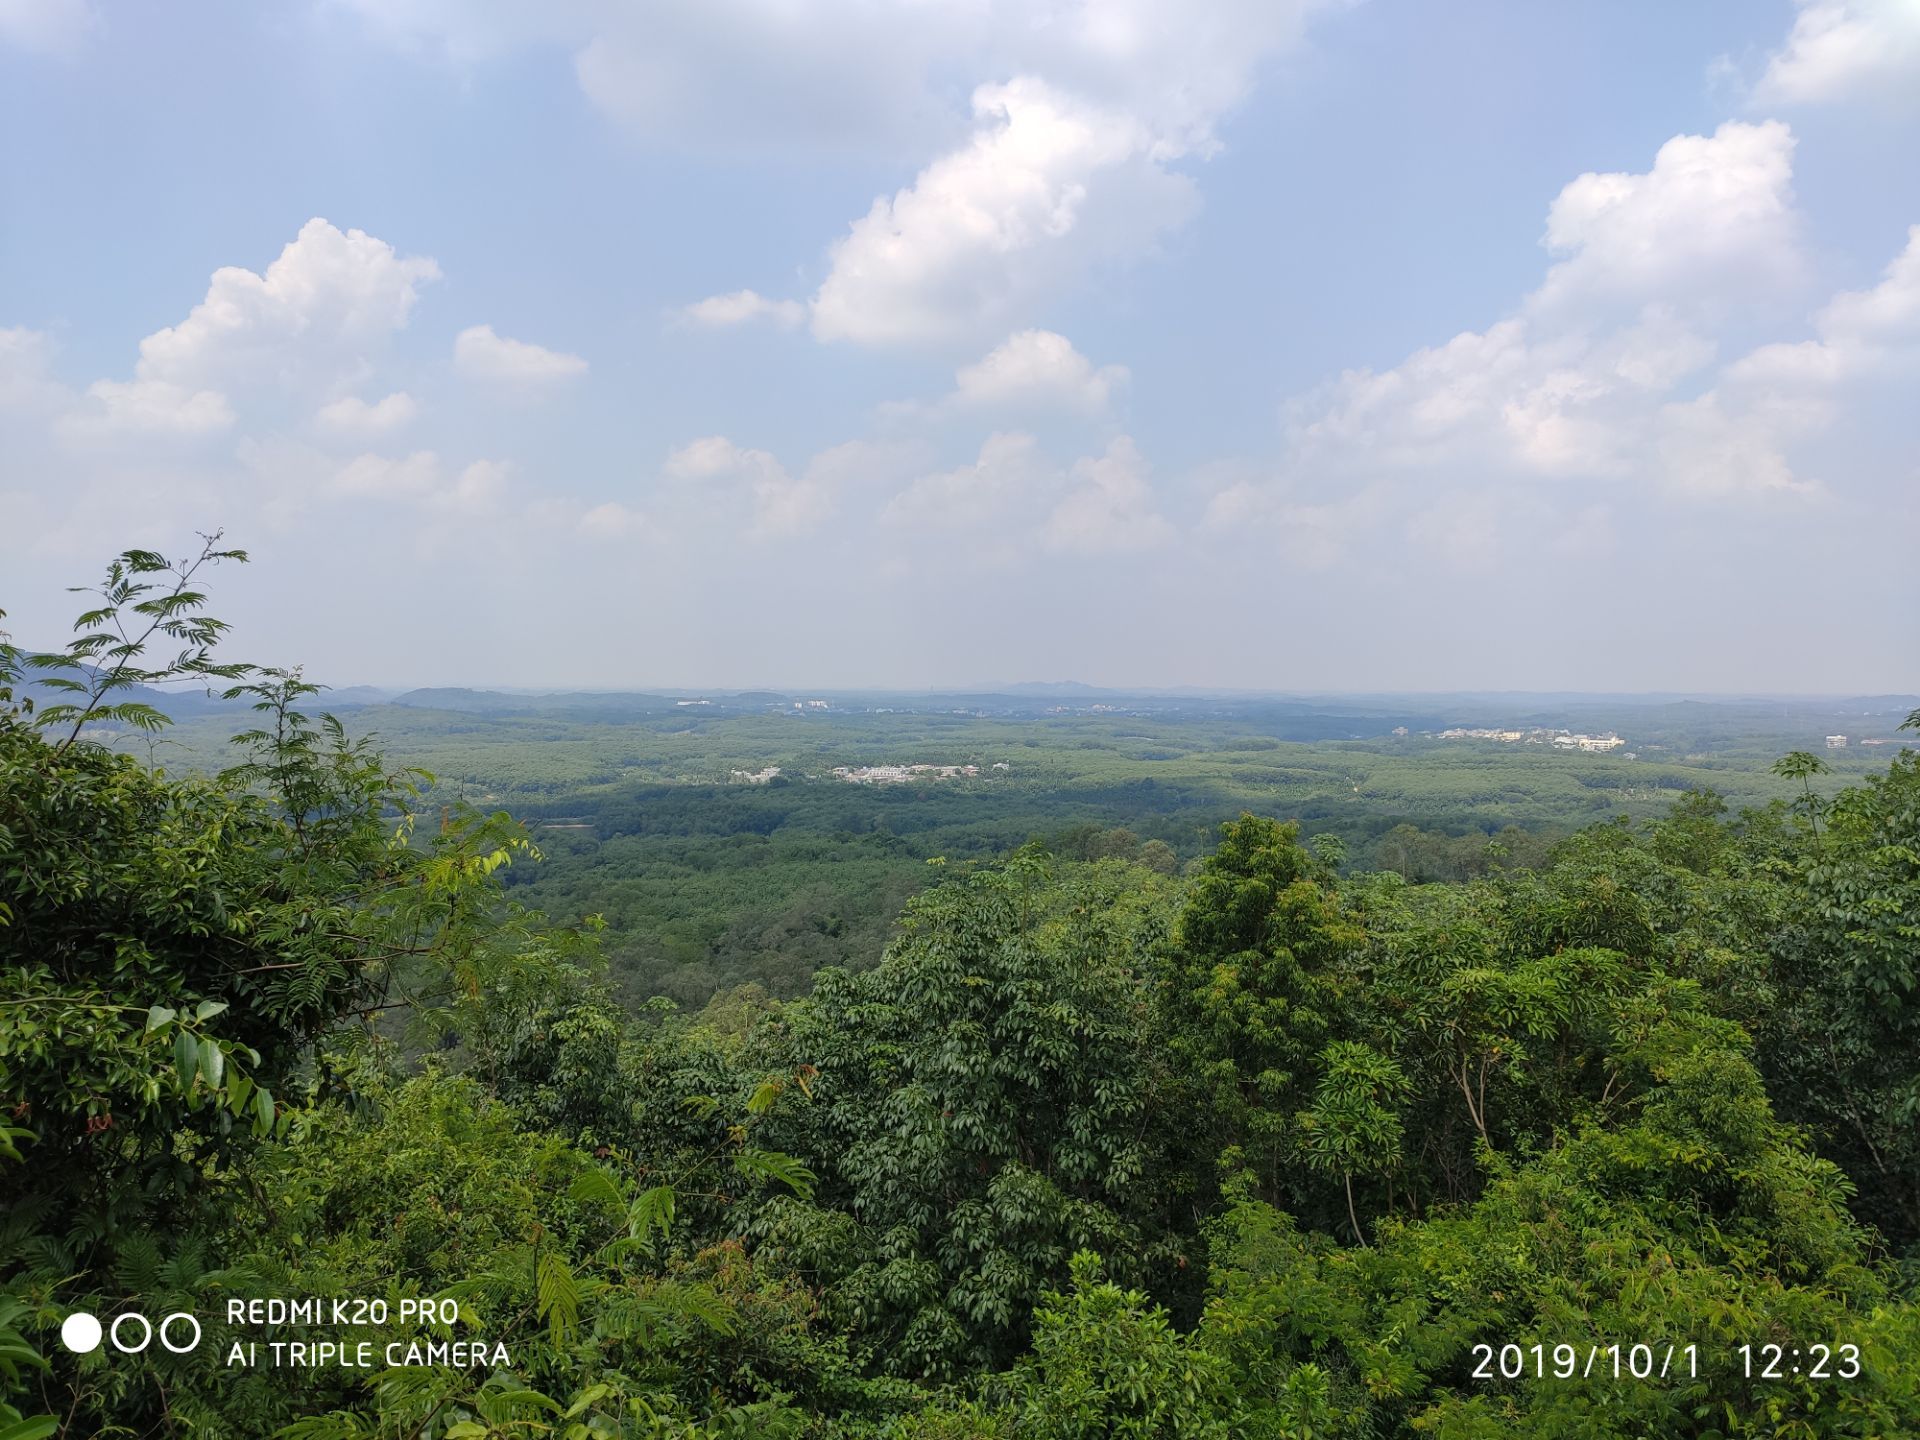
x=213 y=1064
x=186 y=1058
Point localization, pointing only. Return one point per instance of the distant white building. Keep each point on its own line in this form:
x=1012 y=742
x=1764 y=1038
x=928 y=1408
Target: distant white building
x=1588 y=742
x=901 y=774
x=1836 y=742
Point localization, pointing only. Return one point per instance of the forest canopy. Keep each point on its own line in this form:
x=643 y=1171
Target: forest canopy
x=1264 y=1146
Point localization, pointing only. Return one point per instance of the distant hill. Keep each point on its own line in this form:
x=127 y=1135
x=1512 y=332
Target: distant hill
x=495 y=702
x=192 y=703
x=1057 y=687
x=178 y=704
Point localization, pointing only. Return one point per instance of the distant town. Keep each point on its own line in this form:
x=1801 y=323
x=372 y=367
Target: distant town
x=1559 y=739
x=901 y=774
x=877 y=774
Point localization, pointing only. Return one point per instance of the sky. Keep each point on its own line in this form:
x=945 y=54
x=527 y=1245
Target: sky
x=1300 y=345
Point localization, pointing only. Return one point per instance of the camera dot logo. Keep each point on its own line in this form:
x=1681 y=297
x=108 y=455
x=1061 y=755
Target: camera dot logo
x=80 y=1333
x=130 y=1333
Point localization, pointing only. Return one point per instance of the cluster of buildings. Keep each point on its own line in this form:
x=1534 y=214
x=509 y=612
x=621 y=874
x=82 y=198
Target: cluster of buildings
x=900 y=774
x=1559 y=739
x=755 y=777
x=1608 y=741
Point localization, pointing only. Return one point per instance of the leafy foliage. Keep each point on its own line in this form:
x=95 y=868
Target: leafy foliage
x=1095 y=1150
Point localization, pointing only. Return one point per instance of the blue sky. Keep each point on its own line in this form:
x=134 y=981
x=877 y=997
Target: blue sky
x=1287 y=345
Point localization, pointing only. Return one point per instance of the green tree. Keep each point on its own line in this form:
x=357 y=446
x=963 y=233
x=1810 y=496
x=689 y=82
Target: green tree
x=980 y=1111
x=1254 y=989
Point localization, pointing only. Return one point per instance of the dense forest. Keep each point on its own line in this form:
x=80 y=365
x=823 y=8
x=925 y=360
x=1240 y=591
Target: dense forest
x=647 y=812
x=1123 y=1135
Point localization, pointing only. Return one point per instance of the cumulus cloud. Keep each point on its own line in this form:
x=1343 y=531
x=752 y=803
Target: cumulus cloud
x=353 y=417
x=314 y=311
x=304 y=326
x=1844 y=49
x=1047 y=186
x=1083 y=109
x=1036 y=369
x=1516 y=396
x=763 y=74
x=480 y=354
x=421 y=478
x=612 y=521
x=382 y=477
x=160 y=406
x=477 y=490
x=1713 y=219
x=1736 y=436
x=1110 y=509
x=27 y=386
x=867 y=466
x=742 y=307
x=1309 y=532
x=781 y=504
x=1608 y=374
x=1009 y=467
x=1888 y=315
x=1013 y=499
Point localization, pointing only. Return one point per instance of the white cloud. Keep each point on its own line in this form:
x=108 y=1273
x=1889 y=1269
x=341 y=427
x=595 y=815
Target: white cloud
x=1888 y=314
x=1706 y=449
x=1736 y=436
x=1036 y=369
x=419 y=478
x=352 y=416
x=480 y=354
x=477 y=490
x=1845 y=49
x=1604 y=376
x=1110 y=509
x=1048 y=186
x=715 y=456
x=45 y=26
x=301 y=328
x=867 y=465
x=1713 y=219
x=1310 y=533
x=1084 y=105
x=612 y=521
x=743 y=306
x=27 y=386
x=382 y=477
x=148 y=408
x=855 y=74
x=313 y=312
x=781 y=504
x=1012 y=500
x=1009 y=469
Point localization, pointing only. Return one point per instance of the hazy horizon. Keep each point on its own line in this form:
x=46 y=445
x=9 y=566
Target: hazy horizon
x=1042 y=689
x=1280 y=348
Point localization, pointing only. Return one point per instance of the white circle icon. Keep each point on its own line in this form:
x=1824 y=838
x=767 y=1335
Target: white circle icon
x=80 y=1333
